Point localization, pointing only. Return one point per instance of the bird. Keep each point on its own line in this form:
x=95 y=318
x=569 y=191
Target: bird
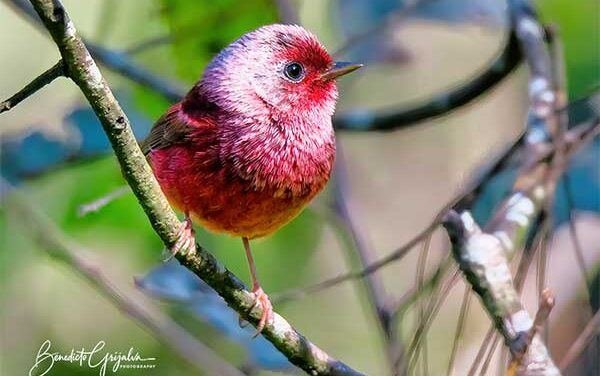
x=252 y=142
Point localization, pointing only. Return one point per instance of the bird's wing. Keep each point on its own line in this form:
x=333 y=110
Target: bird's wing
x=169 y=129
x=174 y=127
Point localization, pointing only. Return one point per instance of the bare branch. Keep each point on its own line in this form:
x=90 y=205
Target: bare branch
x=440 y=104
x=591 y=330
x=546 y=305
x=56 y=71
x=96 y=205
x=161 y=326
x=84 y=72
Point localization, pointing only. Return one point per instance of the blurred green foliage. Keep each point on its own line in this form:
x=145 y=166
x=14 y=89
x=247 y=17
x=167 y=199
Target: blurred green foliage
x=579 y=26
x=200 y=29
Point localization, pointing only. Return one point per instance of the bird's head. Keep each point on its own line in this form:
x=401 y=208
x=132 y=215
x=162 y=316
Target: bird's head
x=279 y=69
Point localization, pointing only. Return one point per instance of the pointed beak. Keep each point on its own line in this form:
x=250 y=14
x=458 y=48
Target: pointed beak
x=338 y=69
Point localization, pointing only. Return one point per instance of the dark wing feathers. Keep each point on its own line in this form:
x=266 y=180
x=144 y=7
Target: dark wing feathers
x=169 y=129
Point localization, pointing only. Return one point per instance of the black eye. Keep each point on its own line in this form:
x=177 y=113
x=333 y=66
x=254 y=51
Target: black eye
x=294 y=71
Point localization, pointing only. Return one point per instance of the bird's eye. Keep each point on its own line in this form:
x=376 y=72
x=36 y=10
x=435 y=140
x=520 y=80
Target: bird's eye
x=294 y=71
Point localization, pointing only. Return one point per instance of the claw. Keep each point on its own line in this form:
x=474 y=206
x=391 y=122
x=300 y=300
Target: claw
x=186 y=240
x=262 y=299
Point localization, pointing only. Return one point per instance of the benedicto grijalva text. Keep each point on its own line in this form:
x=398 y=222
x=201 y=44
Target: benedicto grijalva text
x=95 y=358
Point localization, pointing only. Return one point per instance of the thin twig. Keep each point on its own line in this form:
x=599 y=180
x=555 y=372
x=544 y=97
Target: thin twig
x=591 y=330
x=577 y=247
x=85 y=73
x=345 y=207
x=488 y=358
x=465 y=198
x=97 y=205
x=117 y=61
x=490 y=336
x=396 y=255
x=419 y=276
x=435 y=303
x=460 y=326
x=56 y=71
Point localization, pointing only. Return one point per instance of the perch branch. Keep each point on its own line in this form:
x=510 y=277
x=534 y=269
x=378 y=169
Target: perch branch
x=158 y=324
x=56 y=71
x=85 y=73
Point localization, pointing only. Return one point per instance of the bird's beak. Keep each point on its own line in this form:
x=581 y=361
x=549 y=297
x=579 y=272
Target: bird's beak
x=338 y=69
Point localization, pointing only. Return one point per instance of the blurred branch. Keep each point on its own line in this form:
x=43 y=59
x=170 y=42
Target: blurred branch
x=96 y=205
x=460 y=326
x=392 y=19
x=531 y=36
x=161 y=326
x=467 y=196
x=85 y=73
x=483 y=255
x=591 y=330
x=56 y=71
x=440 y=104
x=346 y=208
x=287 y=12
x=149 y=43
x=434 y=305
x=576 y=138
x=117 y=61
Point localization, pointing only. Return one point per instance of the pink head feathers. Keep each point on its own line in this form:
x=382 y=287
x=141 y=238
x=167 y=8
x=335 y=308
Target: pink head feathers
x=274 y=93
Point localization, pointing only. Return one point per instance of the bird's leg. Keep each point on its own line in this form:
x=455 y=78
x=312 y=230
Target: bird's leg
x=186 y=238
x=259 y=295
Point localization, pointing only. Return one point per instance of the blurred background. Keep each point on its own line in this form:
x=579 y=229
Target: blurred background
x=52 y=145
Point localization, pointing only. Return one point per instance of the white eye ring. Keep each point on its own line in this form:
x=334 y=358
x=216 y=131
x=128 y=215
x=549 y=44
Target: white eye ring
x=294 y=71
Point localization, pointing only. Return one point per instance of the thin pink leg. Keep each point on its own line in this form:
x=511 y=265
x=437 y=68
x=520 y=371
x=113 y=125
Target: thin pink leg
x=186 y=238
x=261 y=298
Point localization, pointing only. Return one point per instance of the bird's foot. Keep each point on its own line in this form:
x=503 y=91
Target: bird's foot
x=186 y=240
x=262 y=299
